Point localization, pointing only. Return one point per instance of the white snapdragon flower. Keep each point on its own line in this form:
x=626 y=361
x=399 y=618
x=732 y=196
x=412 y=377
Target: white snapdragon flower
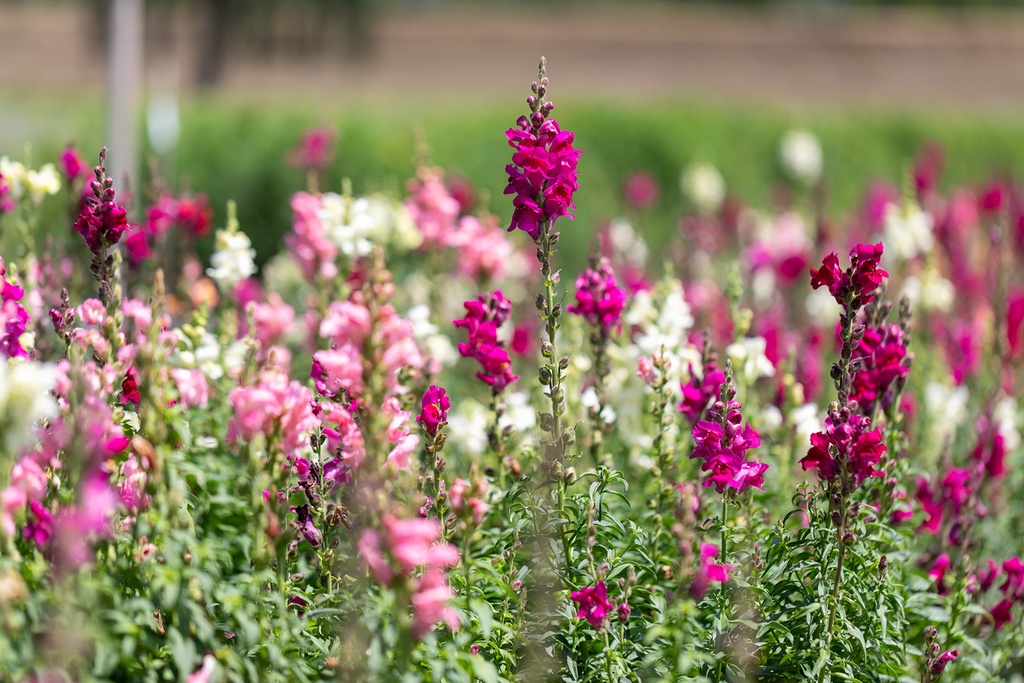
x=664 y=328
x=1005 y=418
x=703 y=185
x=749 y=359
x=467 y=428
x=232 y=260
x=801 y=156
x=519 y=413
x=931 y=291
x=907 y=231
x=438 y=346
x=25 y=398
x=947 y=407
x=354 y=225
x=806 y=420
x=14 y=176
x=45 y=181
x=626 y=242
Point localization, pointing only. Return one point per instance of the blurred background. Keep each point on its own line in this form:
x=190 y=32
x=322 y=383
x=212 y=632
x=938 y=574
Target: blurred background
x=210 y=95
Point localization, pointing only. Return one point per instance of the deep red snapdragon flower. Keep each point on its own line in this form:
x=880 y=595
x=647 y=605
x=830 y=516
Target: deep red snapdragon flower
x=434 y=411
x=483 y=318
x=71 y=164
x=939 y=665
x=856 y=446
x=594 y=605
x=102 y=220
x=859 y=280
x=883 y=355
x=130 y=387
x=599 y=300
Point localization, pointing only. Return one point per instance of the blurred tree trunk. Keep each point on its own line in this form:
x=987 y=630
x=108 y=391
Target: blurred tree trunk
x=213 y=38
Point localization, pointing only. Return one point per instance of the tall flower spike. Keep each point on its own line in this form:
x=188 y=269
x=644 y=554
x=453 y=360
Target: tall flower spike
x=542 y=175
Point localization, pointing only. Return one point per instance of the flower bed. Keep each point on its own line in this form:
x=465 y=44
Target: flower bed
x=406 y=450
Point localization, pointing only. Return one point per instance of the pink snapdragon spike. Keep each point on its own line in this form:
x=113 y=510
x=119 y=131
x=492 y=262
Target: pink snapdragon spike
x=71 y=164
x=7 y=202
x=433 y=209
x=858 y=281
x=855 y=445
x=722 y=442
x=946 y=502
x=594 y=605
x=939 y=665
x=484 y=316
x=484 y=249
x=315 y=253
x=883 y=355
x=709 y=571
x=404 y=546
x=276 y=405
x=542 y=175
x=434 y=410
x=641 y=189
x=14 y=318
x=599 y=300
x=314 y=151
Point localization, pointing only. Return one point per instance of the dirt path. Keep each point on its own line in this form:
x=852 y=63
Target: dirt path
x=948 y=59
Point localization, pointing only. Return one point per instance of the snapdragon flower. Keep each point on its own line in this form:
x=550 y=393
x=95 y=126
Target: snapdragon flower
x=594 y=604
x=858 y=281
x=232 y=260
x=599 y=300
x=857 y=448
x=483 y=318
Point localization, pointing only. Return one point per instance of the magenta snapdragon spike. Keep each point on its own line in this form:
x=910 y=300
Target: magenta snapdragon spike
x=71 y=164
x=599 y=300
x=700 y=392
x=594 y=604
x=13 y=317
x=542 y=175
x=7 y=202
x=882 y=353
x=722 y=442
x=484 y=316
x=858 y=449
x=856 y=283
x=102 y=220
x=708 y=572
x=314 y=151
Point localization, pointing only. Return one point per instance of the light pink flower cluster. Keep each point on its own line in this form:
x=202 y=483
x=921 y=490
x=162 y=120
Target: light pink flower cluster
x=484 y=316
x=404 y=442
x=274 y=405
x=402 y=548
x=599 y=300
x=13 y=317
x=315 y=253
x=469 y=497
x=708 y=572
x=882 y=353
x=433 y=209
x=27 y=489
x=722 y=442
x=858 y=448
x=351 y=329
x=542 y=175
x=484 y=250
x=859 y=281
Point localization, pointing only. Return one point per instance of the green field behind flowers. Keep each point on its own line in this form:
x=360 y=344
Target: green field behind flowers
x=231 y=149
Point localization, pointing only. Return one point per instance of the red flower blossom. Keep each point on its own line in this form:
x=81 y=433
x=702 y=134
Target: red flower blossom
x=882 y=352
x=859 y=280
x=130 y=388
x=856 y=447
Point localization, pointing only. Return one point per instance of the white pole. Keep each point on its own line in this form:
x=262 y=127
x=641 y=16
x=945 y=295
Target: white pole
x=124 y=88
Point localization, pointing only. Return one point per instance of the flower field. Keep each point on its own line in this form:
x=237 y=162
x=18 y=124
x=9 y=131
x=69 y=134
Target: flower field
x=412 y=446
